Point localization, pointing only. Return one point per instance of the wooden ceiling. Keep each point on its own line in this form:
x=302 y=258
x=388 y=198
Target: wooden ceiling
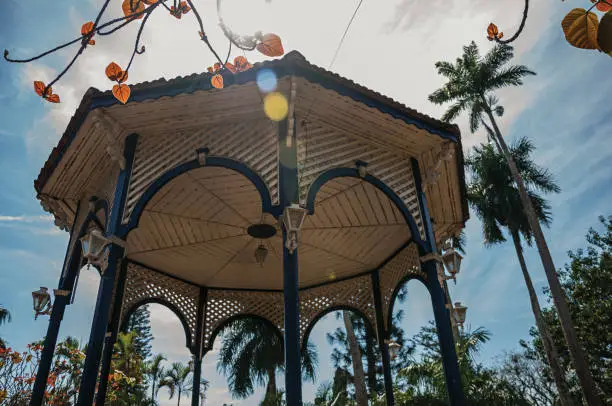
x=195 y=228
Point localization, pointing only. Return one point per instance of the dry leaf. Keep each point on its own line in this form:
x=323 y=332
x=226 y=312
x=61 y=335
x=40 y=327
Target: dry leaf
x=87 y=28
x=580 y=28
x=605 y=7
x=271 y=45
x=132 y=7
x=217 y=81
x=121 y=92
x=53 y=98
x=39 y=87
x=113 y=71
x=122 y=76
x=604 y=33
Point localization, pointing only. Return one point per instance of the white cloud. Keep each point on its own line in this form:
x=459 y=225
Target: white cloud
x=25 y=219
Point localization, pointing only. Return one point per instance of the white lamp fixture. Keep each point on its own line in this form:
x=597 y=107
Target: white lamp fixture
x=459 y=312
x=41 y=302
x=452 y=261
x=260 y=254
x=394 y=349
x=293 y=219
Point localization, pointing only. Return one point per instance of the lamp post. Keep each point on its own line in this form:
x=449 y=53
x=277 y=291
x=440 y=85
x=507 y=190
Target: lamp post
x=452 y=262
x=459 y=312
x=394 y=349
x=293 y=218
x=41 y=302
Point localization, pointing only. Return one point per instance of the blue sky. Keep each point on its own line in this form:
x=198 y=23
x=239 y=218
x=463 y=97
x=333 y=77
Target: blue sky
x=391 y=48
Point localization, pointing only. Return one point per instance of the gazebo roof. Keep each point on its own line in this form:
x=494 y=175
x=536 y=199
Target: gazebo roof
x=293 y=63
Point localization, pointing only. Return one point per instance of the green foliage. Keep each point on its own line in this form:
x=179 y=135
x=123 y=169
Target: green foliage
x=177 y=380
x=140 y=321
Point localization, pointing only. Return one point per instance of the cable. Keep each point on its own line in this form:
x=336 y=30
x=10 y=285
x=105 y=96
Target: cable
x=344 y=34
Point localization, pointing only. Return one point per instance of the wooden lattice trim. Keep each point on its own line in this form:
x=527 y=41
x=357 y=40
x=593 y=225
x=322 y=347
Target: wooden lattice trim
x=355 y=293
x=406 y=263
x=145 y=285
x=254 y=143
x=222 y=305
x=321 y=149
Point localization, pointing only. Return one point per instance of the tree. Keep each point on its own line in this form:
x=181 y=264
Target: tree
x=471 y=82
x=140 y=321
x=176 y=380
x=5 y=317
x=127 y=360
x=361 y=394
x=155 y=372
x=251 y=354
x=495 y=199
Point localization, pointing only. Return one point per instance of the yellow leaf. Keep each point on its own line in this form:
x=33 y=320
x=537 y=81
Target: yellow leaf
x=580 y=28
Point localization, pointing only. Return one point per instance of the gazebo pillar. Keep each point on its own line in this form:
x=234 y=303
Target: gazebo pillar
x=198 y=351
x=115 y=255
x=383 y=335
x=111 y=335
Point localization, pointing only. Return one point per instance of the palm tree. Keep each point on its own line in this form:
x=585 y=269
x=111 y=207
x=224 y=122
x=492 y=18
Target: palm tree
x=251 y=354
x=471 y=83
x=176 y=380
x=155 y=372
x=493 y=195
x=125 y=355
x=5 y=317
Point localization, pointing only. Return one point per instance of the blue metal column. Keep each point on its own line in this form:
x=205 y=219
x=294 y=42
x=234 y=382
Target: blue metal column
x=72 y=264
x=197 y=350
x=289 y=193
x=438 y=301
x=105 y=291
x=382 y=337
x=110 y=340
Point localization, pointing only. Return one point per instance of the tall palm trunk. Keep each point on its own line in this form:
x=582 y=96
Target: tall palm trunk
x=589 y=388
x=549 y=347
x=179 y=398
x=371 y=360
x=271 y=390
x=361 y=395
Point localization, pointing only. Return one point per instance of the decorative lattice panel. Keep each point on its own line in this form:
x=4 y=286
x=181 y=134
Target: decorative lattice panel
x=221 y=305
x=404 y=264
x=355 y=293
x=254 y=143
x=321 y=149
x=143 y=284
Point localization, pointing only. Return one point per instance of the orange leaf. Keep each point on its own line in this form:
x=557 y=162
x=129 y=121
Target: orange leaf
x=132 y=7
x=601 y=6
x=230 y=67
x=210 y=69
x=492 y=32
x=184 y=7
x=53 y=98
x=87 y=28
x=217 y=67
x=122 y=76
x=217 y=81
x=271 y=45
x=39 y=87
x=121 y=93
x=242 y=64
x=113 y=71
x=92 y=42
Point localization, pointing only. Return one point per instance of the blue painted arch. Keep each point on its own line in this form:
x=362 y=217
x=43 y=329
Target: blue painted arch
x=396 y=291
x=380 y=185
x=211 y=161
x=166 y=304
x=332 y=309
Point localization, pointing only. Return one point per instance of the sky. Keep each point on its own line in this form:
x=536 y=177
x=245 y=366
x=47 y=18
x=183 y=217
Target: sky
x=391 y=48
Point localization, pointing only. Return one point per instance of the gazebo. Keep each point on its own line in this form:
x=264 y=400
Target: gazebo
x=192 y=197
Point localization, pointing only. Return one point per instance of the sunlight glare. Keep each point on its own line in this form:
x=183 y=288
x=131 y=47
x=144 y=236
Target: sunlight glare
x=266 y=80
x=276 y=106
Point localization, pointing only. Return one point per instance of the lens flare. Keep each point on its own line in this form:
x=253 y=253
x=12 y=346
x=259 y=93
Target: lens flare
x=276 y=106
x=266 y=80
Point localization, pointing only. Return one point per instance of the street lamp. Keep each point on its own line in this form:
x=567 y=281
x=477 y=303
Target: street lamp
x=293 y=218
x=394 y=349
x=459 y=313
x=41 y=302
x=93 y=245
x=452 y=261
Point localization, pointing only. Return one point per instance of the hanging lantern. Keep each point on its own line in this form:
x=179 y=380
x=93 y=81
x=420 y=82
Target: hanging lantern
x=41 y=301
x=293 y=218
x=92 y=245
x=459 y=313
x=362 y=168
x=260 y=254
x=452 y=261
x=394 y=349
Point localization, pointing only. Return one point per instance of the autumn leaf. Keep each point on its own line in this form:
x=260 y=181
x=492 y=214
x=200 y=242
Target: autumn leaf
x=210 y=69
x=121 y=92
x=183 y=8
x=217 y=81
x=580 y=28
x=53 y=98
x=217 y=67
x=133 y=7
x=87 y=28
x=39 y=87
x=113 y=71
x=122 y=76
x=493 y=32
x=603 y=6
x=242 y=64
x=271 y=45
x=604 y=34
x=230 y=67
